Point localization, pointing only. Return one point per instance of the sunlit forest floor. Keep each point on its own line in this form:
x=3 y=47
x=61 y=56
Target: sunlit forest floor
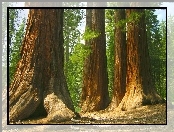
x=150 y=114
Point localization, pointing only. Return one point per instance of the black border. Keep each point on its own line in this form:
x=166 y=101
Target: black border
x=76 y=8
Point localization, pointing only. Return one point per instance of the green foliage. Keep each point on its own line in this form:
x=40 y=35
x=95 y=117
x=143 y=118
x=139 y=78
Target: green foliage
x=72 y=19
x=90 y=34
x=121 y=24
x=134 y=17
x=74 y=53
x=16 y=33
x=110 y=47
x=75 y=74
x=81 y=51
x=156 y=39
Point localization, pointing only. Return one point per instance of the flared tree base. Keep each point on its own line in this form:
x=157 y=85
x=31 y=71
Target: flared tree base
x=134 y=99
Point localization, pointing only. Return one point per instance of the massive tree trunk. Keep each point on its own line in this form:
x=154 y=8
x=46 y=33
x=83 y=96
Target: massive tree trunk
x=119 y=87
x=39 y=83
x=139 y=87
x=95 y=94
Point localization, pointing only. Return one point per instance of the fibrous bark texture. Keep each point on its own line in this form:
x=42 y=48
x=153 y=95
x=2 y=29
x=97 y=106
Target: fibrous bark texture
x=139 y=86
x=39 y=78
x=95 y=94
x=119 y=87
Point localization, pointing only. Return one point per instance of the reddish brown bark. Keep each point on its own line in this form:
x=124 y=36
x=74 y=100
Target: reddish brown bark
x=39 y=81
x=119 y=87
x=139 y=87
x=95 y=94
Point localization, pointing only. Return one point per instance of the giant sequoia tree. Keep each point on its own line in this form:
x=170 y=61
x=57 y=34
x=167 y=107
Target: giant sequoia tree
x=95 y=94
x=119 y=87
x=39 y=83
x=139 y=86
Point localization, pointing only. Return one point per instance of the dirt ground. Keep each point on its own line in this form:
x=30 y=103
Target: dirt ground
x=150 y=114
